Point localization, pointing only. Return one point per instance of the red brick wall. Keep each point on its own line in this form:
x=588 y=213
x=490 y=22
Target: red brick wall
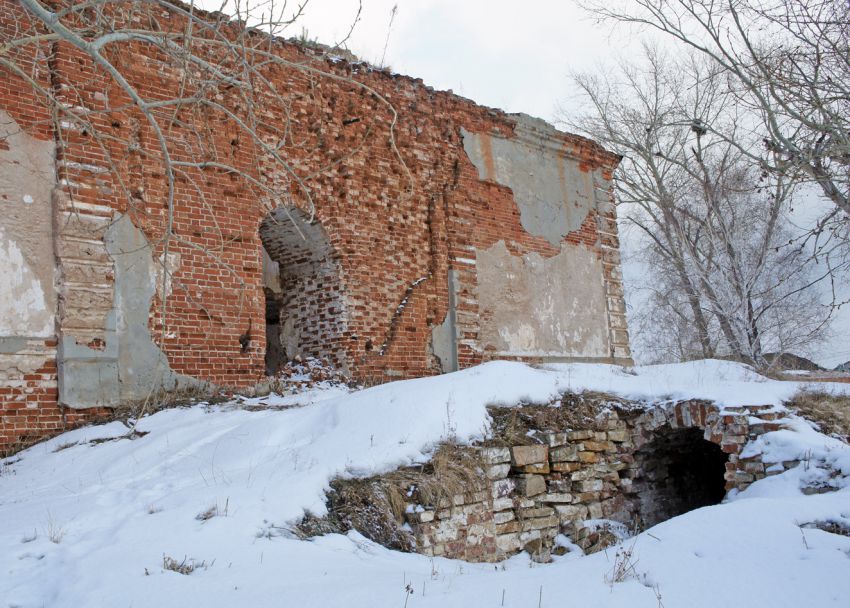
x=395 y=228
x=28 y=392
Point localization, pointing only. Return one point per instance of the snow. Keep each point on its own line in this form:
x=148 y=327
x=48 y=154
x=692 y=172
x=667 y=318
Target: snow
x=115 y=508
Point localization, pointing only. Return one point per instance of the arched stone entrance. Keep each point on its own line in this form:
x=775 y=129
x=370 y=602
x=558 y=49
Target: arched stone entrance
x=567 y=469
x=676 y=472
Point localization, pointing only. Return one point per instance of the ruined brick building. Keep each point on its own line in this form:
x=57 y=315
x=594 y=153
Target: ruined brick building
x=439 y=234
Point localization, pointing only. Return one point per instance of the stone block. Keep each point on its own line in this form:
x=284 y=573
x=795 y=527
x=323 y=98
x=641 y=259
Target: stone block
x=510 y=527
x=589 y=485
x=566 y=467
x=617 y=465
x=497 y=471
x=580 y=435
x=541 y=468
x=585 y=497
x=522 y=455
x=531 y=485
x=571 y=512
x=508 y=543
x=554 y=440
x=528 y=535
x=502 y=504
x=618 y=436
x=503 y=487
x=565 y=454
x=422 y=517
x=492 y=455
x=597 y=446
x=536 y=512
x=557 y=497
x=589 y=457
x=582 y=474
x=503 y=517
x=539 y=523
x=559 y=486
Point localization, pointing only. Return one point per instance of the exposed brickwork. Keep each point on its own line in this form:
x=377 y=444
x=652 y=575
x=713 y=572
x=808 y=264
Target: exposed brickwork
x=394 y=229
x=28 y=399
x=29 y=410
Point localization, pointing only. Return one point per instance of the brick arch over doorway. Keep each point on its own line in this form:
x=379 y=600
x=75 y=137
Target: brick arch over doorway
x=306 y=312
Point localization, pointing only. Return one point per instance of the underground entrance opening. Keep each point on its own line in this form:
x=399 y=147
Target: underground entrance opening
x=677 y=471
x=301 y=280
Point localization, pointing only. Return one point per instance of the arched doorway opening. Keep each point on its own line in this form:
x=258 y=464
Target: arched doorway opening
x=677 y=471
x=304 y=302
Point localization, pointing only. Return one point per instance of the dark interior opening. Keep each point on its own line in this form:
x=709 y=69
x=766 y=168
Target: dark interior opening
x=678 y=471
x=275 y=355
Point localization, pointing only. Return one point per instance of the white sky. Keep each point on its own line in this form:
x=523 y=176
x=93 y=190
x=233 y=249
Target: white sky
x=514 y=56
x=500 y=53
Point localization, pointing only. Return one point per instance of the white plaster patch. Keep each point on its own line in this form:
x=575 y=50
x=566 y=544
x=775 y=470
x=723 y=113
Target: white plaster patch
x=29 y=200
x=542 y=307
x=169 y=266
x=23 y=309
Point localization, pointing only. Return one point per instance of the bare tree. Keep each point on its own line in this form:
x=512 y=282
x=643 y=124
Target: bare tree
x=726 y=277
x=786 y=60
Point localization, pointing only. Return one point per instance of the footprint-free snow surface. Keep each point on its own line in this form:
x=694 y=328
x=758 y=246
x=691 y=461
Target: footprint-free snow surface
x=90 y=523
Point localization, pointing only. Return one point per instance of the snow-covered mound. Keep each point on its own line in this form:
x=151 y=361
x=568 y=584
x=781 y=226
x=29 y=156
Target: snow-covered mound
x=89 y=523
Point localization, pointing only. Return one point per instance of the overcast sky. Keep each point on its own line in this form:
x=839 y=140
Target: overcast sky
x=500 y=53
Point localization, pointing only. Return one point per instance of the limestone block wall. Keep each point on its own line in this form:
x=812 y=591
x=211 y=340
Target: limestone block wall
x=598 y=469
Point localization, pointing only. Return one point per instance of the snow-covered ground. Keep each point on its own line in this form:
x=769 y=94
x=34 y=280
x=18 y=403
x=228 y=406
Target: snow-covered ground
x=89 y=524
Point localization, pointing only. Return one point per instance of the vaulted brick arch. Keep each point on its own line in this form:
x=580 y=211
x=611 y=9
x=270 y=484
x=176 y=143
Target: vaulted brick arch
x=685 y=457
x=305 y=301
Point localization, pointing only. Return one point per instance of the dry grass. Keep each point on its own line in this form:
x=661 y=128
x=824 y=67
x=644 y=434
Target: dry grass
x=830 y=412
x=376 y=506
x=453 y=470
x=54 y=532
x=624 y=566
x=185 y=567
x=213 y=511
x=516 y=425
x=162 y=399
x=65 y=446
x=833 y=527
